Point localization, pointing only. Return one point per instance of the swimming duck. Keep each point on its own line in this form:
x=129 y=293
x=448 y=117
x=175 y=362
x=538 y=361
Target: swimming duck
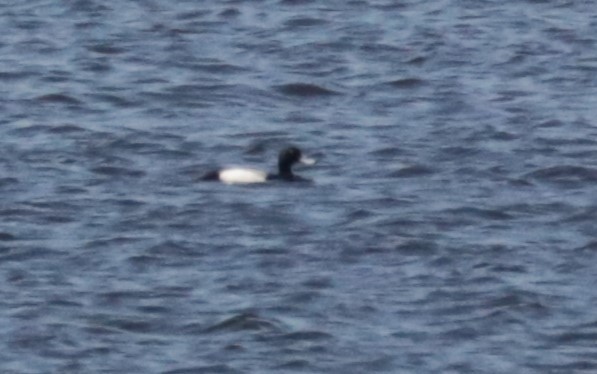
x=238 y=175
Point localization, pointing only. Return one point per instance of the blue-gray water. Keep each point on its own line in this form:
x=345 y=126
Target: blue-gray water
x=451 y=226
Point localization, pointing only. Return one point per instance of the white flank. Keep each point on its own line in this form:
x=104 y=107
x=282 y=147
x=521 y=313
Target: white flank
x=242 y=176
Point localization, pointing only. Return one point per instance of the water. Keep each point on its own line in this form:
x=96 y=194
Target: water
x=451 y=224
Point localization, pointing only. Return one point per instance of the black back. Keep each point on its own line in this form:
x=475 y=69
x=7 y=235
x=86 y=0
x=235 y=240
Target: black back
x=213 y=175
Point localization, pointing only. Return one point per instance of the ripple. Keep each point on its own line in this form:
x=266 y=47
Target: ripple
x=66 y=129
x=571 y=367
x=295 y=365
x=142 y=262
x=58 y=98
x=412 y=171
x=132 y=324
x=117 y=101
x=219 y=67
x=5 y=236
x=11 y=76
x=243 y=322
x=318 y=283
x=300 y=22
x=306 y=335
x=174 y=249
x=112 y=241
x=417 y=247
x=296 y=2
x=407 y=83
x=21 y=255
x=576 y=337
x=230 y=13
x=565 y=174
x=589 y=246
x=473 y=212
x=373 y=364
x=8 y=181
x=213 y=369
x=116 y=171
x=105 y=49
x=304 y=90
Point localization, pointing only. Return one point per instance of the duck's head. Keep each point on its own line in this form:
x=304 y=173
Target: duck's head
x=289 y=157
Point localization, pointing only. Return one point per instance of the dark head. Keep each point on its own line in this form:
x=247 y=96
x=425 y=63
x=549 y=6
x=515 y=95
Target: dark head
x=289 y=157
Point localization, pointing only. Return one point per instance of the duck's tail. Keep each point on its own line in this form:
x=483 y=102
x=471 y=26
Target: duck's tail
x=213 y=175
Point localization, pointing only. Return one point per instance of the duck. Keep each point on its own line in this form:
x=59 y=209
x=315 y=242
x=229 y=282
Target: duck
x=240 y=175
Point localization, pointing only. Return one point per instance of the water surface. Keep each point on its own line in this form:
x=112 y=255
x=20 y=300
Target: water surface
x=450 y=227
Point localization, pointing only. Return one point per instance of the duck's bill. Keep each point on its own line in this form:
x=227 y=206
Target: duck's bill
x=307 y=160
